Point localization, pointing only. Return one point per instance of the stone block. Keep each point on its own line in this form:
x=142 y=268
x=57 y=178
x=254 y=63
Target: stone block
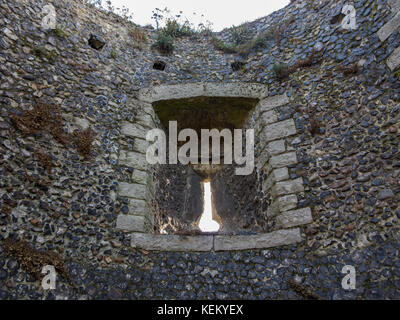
x=132 y=190
x=280 y=174
x=288 y=187
x=138 y=207
x=390 y=27
x=139 y=176
x=393 y=61
x=287 y=202
x=294 y=218
x=169 y=242
x=133 y=130
x=132 y=223
x=141 y=145
x=279 y=130
x=273 y=102
x=394 y=4
x=269 y=117
x=259 y=241
x=133 y=159
x=283 y=160
x=276 y=147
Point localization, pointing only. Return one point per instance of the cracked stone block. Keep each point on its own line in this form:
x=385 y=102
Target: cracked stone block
x=390 y=27
x=132 y=190
x=283 y=160
x=259 y=241
x=132 y=223
x=288 y=187
x=294 y=218
x=279 y=130
x=169 y=242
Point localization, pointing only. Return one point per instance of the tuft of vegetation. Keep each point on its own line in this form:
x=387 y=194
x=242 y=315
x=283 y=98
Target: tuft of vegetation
x=222 y=46
x=43 y=117
x=60 y=33
x=138 y=35
x=45 y=160
x=258 y=42
x=281 y=71
x=113 y=54
x=83 y=140
x=347 y=71
x=33 y=260
x=41 y=52
x=164 y=44
x=240 y=34
x=176 y=30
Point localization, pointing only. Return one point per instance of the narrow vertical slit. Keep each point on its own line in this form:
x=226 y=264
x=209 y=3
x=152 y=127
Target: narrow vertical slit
x=207 y=224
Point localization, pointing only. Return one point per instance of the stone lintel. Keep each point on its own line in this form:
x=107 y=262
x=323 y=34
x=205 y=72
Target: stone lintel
x=236 y=89
x=259 y=241
x=170 y=242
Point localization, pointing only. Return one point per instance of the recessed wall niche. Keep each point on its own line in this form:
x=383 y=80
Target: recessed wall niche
x=166 y=201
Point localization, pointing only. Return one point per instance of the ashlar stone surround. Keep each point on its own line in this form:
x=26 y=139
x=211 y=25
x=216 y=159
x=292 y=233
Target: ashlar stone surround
x=274 y=158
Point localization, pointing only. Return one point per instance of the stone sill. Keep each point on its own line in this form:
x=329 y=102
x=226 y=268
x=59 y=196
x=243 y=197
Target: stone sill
x=169 y=242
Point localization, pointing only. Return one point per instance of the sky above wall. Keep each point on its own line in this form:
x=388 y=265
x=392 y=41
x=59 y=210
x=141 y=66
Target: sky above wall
x=222 y=13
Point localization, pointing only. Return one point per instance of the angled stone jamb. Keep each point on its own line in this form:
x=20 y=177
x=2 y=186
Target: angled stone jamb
x=259 y=241
x=294 y=218
x=236 y=89
x=168 y=242
x=166 y=92
x=390 y=27
x=393 y=61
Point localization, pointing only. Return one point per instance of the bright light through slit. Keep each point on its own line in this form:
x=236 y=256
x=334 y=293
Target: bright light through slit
x=207 y=224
